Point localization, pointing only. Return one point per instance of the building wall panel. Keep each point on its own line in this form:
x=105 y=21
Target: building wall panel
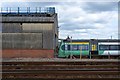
x=45 y=28
x=11 y=27
x=48 y=40
x=37 y=27
x=22 y=40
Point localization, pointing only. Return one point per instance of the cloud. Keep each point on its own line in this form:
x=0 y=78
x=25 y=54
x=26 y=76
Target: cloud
x=27 y=4
x=100 y=6
x=82 y=20
x=101 y=21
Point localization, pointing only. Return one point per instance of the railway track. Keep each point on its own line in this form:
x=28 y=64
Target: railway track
x=61 y=70
x=60 y=67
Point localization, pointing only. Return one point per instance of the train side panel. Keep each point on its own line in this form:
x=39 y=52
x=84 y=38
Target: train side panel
x=67 y=49
x=109 y=48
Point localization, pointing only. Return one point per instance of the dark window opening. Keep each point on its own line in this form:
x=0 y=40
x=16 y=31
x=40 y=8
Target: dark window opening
x=77 y=47
x=109 y=47
x=68 y=47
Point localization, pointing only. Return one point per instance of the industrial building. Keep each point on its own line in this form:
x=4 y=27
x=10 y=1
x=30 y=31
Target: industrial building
x=29 y=32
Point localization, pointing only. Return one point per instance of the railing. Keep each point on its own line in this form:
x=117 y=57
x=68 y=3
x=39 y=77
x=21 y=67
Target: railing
x=27 y=10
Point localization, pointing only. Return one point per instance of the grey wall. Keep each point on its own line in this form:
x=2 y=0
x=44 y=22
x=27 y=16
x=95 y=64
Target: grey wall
x=22 y=40
x=27 y=32
x=47 y=29
x=11 y=27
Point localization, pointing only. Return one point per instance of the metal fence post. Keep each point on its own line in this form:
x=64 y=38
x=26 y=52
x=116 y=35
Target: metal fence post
x=108 y=55
x=81 y=52
x=90 y=54
x=71 y=49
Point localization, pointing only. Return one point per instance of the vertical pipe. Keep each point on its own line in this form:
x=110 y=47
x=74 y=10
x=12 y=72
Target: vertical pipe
x=29 y=9
x=1 y=9
x=18 y=10
x=39 y=10
x=111 y=37
x=108 y=55
x=10 y=9
x=90 y=54
x=7 y=9
x=36 y=9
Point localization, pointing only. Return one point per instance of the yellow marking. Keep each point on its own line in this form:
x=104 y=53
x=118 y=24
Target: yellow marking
x=93 y=47
x=78 y=43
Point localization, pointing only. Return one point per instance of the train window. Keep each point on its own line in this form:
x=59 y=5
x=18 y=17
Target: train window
x=68 y=47
x=103 y=47
x=74 y=47
x=114 y=47
x=83 y=47
x=109 y=47
x=65 y=47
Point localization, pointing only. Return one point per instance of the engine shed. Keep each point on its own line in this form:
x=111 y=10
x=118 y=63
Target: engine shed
x=29 y=32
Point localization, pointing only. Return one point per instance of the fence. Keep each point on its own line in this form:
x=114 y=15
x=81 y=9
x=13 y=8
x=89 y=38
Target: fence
x=27 y=10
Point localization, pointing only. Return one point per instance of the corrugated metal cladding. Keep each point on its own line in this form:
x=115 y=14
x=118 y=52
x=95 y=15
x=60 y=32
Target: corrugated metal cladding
x=22 y=40
x=11 y=27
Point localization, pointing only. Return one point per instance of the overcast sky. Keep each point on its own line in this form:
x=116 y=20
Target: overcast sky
x=81 y=20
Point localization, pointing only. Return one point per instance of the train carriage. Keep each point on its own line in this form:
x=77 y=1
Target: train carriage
x=73 y=48
x=109 y=48
x=91 y=48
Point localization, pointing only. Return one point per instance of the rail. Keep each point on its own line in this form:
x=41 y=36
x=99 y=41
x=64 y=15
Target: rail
x=61 y=70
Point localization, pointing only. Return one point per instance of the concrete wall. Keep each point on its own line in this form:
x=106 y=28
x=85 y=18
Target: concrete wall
x=26 y=19
x=22 y=41
x=24 y=36
x=11 y=28
x=47 y=29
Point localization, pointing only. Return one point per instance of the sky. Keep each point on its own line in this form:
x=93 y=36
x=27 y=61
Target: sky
x=81 y=20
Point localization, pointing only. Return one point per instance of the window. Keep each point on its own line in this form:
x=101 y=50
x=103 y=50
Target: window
x=109 y=47
x=74 y=47
x=83 y=47
x=103 y=47
x=114 y=47
x=68 y=47
x=65 y=47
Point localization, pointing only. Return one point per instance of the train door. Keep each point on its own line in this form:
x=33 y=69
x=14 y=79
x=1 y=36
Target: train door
x=93 y=47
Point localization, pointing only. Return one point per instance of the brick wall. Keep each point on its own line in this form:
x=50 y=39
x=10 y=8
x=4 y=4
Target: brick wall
x=12 y=53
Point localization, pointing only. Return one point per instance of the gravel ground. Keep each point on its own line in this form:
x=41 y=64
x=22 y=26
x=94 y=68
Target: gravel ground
x=54 y=59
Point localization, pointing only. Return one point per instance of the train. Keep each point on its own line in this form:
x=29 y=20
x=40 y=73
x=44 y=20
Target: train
x=89 y=48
